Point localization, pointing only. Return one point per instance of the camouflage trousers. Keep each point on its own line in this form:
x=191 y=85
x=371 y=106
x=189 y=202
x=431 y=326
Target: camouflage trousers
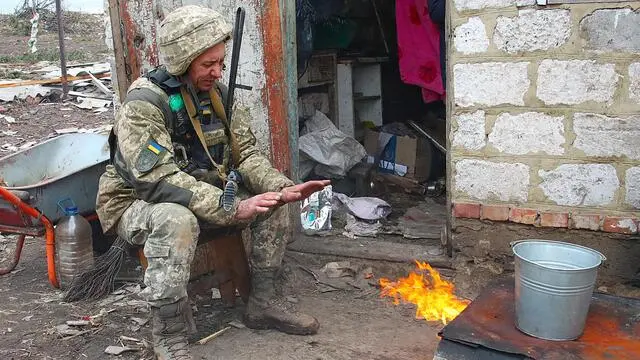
x=169 y=233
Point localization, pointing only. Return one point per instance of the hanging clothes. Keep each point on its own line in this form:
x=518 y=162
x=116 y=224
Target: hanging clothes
x=419 y=49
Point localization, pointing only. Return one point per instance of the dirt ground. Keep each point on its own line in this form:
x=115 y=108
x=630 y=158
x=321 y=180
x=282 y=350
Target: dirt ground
x=355 y=324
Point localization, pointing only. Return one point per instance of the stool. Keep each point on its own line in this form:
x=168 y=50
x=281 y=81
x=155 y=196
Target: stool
x=221 y=251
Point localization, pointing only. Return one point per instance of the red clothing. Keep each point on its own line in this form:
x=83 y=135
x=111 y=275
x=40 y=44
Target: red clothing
x=419 y=49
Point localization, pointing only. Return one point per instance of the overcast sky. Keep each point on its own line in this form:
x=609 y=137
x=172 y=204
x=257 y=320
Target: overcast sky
x=92 y=6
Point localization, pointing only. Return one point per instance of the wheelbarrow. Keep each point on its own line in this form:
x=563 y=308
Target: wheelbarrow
x=34 y=180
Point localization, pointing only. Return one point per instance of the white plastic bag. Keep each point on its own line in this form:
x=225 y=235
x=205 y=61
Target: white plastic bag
x=315 y=212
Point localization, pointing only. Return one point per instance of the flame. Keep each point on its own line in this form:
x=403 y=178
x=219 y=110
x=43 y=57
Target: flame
x=433 y=297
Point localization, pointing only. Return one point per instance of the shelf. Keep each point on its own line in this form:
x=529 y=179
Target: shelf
x=365 y=98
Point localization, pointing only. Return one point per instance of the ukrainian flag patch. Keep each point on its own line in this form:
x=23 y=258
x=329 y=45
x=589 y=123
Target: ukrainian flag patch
x=154 y=147
x=149 y=156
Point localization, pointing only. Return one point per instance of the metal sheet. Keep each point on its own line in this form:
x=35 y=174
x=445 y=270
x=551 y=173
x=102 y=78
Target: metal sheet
x=612 y=330
x=65 y=166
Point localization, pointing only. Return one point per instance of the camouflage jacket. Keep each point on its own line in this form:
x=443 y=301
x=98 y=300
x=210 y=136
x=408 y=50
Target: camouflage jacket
x=144 y=165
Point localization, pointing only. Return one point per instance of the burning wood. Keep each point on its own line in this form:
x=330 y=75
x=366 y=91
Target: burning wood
x=434 y=297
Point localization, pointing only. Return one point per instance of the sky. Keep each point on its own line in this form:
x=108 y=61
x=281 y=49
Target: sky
x=91 y=6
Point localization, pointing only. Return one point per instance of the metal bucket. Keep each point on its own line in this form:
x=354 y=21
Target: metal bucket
x=554 y=283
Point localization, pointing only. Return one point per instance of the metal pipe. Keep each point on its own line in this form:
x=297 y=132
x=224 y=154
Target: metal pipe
x=384 y=38
x=63 y=59
x=49 y=234
x=417 y=128
x=16 y=256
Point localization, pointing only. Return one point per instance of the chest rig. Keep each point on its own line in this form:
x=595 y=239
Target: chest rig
x=199 y=129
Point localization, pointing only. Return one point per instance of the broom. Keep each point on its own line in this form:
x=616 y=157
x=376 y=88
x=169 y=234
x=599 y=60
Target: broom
x=98 y=281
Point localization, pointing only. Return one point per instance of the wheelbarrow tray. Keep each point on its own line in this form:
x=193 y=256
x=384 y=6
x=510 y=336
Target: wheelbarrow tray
x=65 y=166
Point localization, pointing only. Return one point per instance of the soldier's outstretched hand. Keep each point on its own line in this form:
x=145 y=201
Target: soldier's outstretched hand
x=302 y=191
x=256 y=205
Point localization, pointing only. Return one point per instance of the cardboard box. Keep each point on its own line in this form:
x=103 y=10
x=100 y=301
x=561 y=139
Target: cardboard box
x=402 y=155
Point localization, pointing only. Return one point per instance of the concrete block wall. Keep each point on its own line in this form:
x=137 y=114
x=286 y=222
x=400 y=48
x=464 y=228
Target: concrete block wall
x=545 y=113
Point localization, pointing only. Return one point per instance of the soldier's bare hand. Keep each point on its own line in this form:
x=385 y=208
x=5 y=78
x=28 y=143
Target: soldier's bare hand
x=302 y=191
x=256 y=205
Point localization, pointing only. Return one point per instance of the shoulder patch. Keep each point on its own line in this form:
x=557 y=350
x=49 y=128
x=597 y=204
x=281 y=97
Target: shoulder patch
x=149 y=156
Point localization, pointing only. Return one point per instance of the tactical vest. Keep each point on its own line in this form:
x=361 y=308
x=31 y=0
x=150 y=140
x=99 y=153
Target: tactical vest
x=189 y=153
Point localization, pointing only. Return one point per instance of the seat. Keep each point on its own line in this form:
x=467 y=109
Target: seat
x=222 y=252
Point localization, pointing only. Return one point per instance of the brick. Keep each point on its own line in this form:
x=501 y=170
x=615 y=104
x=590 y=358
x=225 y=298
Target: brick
x=487 y=180
x=471 y=37
x=585 y=221
x=466 y=210
x=470 y=132
x=632 y=187
x=612 y=30
x=634 y=82
x=529 y=132
x=573 y=82
x=621 y=225
x=523 y=216
x=491 y=83
x=580 y=184
x=553 y=219
x=494 y=212
x=599 y=135
x=532 y=30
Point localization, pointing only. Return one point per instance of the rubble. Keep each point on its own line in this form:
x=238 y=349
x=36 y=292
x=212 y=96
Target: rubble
x=8 y=118
x=50 y=79
x=117 y=350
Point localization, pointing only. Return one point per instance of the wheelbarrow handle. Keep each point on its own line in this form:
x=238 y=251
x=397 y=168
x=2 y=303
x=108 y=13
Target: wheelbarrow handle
x=48 y=226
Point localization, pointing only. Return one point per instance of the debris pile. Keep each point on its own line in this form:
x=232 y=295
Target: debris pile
x=89 y=85
x=32 y=110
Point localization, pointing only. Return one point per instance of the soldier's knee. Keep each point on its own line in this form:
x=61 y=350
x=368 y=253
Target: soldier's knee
x=174 y=220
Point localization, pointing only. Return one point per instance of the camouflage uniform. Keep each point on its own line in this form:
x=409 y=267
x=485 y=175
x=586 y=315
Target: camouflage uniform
x=148 y=199
x=137 y=125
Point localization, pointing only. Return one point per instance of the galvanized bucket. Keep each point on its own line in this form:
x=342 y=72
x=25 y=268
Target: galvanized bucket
x=554 y=283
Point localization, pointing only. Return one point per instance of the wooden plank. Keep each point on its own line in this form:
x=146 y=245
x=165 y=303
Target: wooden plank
x=344 y=89
x=369 y=249
x=274 y=94
x=51 y=81
x=122 y=80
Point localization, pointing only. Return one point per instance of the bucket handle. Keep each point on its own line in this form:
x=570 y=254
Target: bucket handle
x=604 y=258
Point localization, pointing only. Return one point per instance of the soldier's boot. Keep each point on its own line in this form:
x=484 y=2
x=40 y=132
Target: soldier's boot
x=266 y=310
x=171 y=324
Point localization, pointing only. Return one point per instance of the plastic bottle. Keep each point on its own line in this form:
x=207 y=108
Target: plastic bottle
x=74 y=244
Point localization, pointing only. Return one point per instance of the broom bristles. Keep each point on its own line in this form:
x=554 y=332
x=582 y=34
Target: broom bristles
x=98 y=281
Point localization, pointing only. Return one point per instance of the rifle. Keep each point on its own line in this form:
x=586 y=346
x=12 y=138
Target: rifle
x=235 y=58
x=233 y=178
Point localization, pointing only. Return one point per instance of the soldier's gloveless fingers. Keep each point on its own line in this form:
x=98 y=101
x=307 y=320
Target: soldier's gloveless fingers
x=267 y=203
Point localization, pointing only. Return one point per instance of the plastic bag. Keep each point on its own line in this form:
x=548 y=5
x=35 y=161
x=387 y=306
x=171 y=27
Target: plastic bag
x=315 y=212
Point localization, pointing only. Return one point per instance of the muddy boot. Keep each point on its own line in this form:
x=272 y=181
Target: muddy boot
x=170 y=326
x=265 y=310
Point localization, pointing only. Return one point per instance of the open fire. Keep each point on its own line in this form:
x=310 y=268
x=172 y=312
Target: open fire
x=434 y=297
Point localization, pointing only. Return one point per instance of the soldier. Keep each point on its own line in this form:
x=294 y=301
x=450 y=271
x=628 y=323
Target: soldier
x=162 y=185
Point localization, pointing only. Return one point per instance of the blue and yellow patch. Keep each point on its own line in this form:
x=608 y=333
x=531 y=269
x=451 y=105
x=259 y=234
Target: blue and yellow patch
x=149 y=156
x=154 y=147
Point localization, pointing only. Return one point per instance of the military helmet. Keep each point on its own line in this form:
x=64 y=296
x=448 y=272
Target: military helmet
x=187 y=32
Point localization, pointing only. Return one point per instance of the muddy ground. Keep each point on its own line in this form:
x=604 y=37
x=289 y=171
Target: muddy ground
x=355 y=324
